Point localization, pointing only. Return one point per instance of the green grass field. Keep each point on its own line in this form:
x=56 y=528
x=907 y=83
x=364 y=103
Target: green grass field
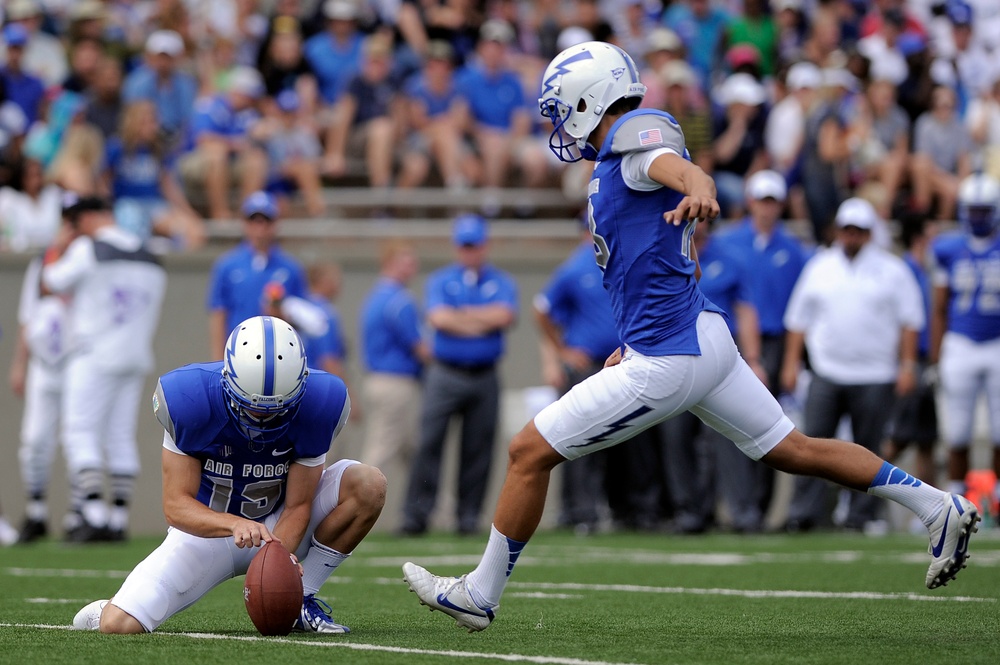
x=614 y=598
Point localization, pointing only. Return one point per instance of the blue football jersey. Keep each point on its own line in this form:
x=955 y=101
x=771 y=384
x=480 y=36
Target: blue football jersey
x=190 y=404
x=648 y=269
x=971 y=271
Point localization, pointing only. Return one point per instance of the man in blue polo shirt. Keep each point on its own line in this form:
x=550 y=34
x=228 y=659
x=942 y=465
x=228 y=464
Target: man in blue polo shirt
x=161 y=81
x=258 y=277
x=393 y=354
x=335 y=54
x=470 y=304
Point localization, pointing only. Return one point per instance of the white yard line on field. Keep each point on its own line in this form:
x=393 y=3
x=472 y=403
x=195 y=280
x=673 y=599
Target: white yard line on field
x=355 y=646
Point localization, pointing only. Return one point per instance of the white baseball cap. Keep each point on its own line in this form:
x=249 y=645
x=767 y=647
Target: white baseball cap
x=856 y=212
x=340 y=10
x=167 y=42
x=804 y=75
x=741 y=89
x=766 y=185
x=246 y=81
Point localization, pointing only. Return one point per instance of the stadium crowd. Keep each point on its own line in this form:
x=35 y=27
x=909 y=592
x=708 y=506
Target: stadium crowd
x=177 y=111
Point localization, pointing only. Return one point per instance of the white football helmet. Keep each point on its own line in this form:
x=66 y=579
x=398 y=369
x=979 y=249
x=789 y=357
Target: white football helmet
x=578 y=86
x=979 y=204
x=264 y=376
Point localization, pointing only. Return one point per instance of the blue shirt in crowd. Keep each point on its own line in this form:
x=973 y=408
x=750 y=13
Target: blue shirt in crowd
x=774 y=266
x=238 y=277
x=434 y=104
x=335 y=64
x=493 y=98
x=390 y=329
x=173 y=99
x=25 y=90
x=576 y=301
x=135 y=174
x=457 y=286
x=215 y=115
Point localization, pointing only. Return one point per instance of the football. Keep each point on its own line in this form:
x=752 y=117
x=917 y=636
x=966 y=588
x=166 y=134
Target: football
x=273 y=590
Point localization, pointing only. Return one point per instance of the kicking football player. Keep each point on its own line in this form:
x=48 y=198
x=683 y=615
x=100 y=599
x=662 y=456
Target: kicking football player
x=965 y=322
x=244 y=448
x=678 y=354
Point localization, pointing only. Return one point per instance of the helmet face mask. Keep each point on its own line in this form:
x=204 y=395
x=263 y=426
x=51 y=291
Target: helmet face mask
x=264 y=378
x=578 y=87
x=979 y=205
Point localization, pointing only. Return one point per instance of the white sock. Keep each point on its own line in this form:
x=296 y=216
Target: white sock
x=95 y=511
x=897 y=485
x=318 y=565
x=487 y=582
x=118 y=519
x=37 y=510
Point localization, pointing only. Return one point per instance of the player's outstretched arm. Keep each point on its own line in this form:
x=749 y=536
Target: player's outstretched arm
x=673 y=171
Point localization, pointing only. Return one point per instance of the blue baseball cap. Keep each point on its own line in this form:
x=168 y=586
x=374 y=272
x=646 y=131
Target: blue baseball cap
x=260 y=203
x=15 y=34
x=960 y=13
x=469 y=231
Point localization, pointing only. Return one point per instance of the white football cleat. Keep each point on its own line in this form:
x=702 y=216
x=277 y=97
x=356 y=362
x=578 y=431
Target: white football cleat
x=950 y=534
x=448 y=595
x=89 y=618
x=315 y=618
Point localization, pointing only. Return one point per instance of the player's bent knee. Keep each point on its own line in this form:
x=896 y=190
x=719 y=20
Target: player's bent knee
x=116 y=621
x=529 y=450
x=367 y=484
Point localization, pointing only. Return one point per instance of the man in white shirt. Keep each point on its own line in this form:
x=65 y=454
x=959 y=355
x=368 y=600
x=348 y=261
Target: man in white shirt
x=858 y=310
x=117 y=289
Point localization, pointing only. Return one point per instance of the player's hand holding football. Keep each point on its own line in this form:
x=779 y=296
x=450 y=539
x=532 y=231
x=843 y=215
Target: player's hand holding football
x=247 y=533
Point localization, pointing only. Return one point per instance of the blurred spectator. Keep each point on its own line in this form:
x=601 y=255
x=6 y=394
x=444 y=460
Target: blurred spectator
x=470 y=306
x=942 y=151
x=30 y=210
x=215 y=62
x=966 y=67
x=284 y=66
x=392 y=356
x=701 y=26
x=148 y=200
x=86 y=21
x=257 y=278
x=79 y=162
x=882 y=49
x=22 y=88
x=662 y=46
x=823 y=45
x=755 y=27
x=983 y=122
x=171 y=15
x=633 y=28
x=824 y=154
x=858 y=310
x=497 y=107
x=792 y=28
x=84 y=59
x=328 y=351
x=104 y=99
x=239 y=24
x=161 y=80
x=435 y=137
x=293 y=151
x=224 y=151
x=881 y=130
x=335 y=53
x=784 y=133
x=682 y=93
x=44 y=55
x=882 y=11
x=745 y=59
x=738 y=143
x=363 y=118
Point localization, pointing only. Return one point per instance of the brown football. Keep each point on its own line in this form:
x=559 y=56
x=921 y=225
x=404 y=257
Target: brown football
x=273 y=590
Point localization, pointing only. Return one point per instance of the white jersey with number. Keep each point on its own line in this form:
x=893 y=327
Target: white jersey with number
x=117 y=289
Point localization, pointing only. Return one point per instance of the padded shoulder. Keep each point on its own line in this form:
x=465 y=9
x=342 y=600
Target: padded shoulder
x=640 y=131
x=186 y=404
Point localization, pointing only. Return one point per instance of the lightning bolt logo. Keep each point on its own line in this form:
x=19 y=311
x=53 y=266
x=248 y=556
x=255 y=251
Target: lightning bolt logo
x=562 y=68
x=614 y=428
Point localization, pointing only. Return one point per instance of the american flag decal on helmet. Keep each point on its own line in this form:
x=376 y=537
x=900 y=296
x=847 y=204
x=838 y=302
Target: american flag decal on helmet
x=650 y=137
